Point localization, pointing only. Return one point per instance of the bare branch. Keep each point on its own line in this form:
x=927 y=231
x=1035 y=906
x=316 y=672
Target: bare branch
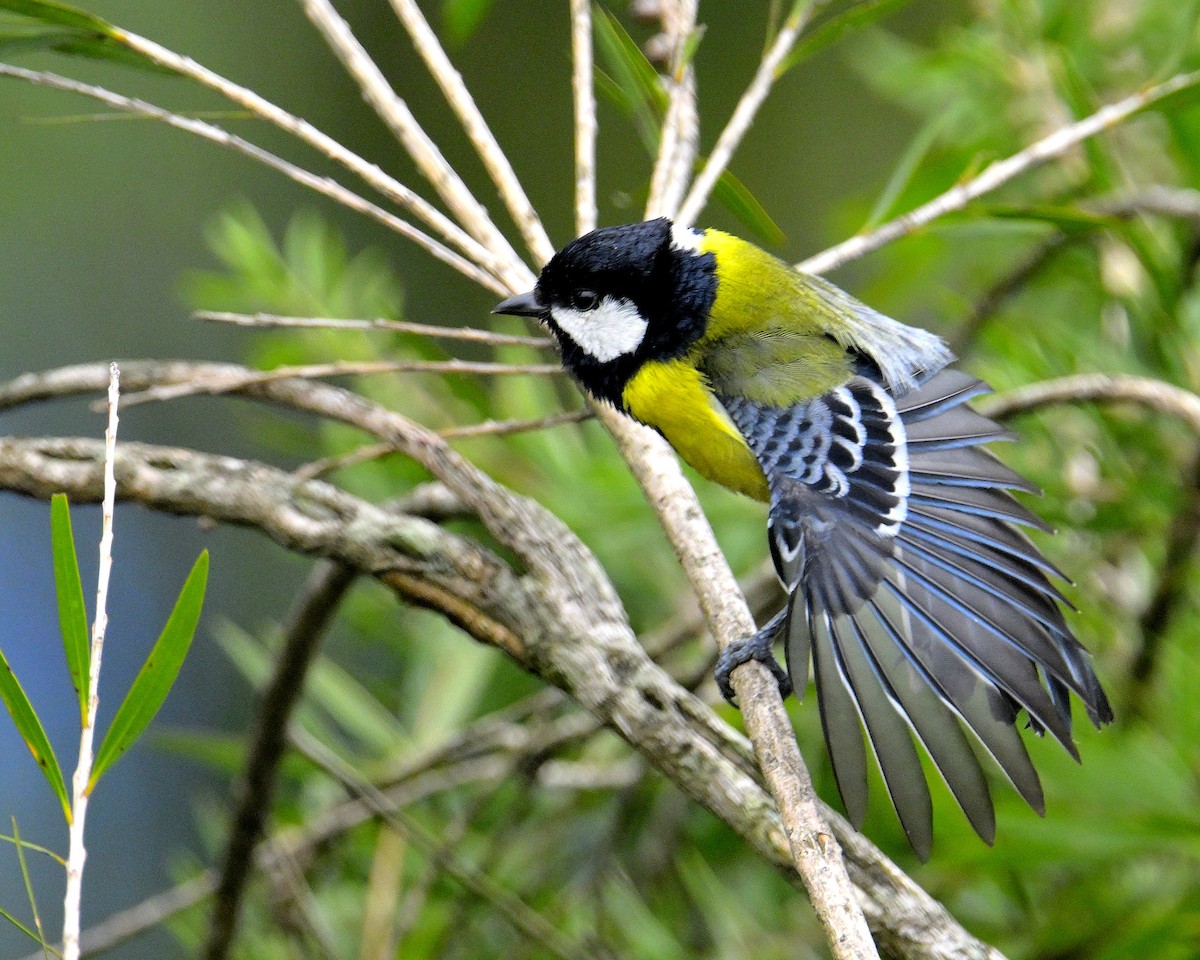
x=399 y=119
x=1179 y=202
x=494 y=428
x=996 y=175
x=236 y=381
x=560 y=619
x=814 y=849
x=585 y=116
x=477 y=130
x=744 y=113
x=215 y=134
x=680 y=136
x=395 y=326
x=1098 y=388
x=81 y=781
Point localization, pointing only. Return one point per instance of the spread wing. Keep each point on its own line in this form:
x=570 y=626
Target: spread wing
x=925 y=610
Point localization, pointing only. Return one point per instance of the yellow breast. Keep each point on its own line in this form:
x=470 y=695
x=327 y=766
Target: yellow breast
x=673 y=398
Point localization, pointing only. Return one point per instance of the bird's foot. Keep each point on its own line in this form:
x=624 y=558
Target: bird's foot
x=757 y=647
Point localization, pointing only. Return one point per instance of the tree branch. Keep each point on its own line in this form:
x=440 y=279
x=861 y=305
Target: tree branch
x=561 y=618
x=463 y=104
x=996 y=175
x=744 y=112
x=394 y=112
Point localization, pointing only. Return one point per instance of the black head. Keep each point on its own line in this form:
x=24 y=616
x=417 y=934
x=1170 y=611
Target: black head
x=619 y=296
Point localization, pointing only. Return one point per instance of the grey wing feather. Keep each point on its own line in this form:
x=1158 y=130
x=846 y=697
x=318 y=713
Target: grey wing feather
x=924 y=609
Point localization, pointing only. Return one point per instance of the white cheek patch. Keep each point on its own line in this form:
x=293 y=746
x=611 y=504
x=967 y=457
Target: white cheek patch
x=686 y=238
x=612 y=329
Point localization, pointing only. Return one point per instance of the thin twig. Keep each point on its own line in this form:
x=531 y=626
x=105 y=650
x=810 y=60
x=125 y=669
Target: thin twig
x=996 y=175
x=495 y=161
x=1004 y=289
x=370 y=173
x=494 y=428
x=498 y=428
x=814 y=849
x=1098 y=388
x=585 y=116
x=1171 y=593
x=744 y=113
x=526 y=920
x=395 y=326
x=215 y=134
x=77 y=854
x=307 y=624
x=315 y=371
x=394 y=112
x=567 y=628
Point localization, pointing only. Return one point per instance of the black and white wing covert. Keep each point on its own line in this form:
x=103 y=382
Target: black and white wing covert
x=922 y=605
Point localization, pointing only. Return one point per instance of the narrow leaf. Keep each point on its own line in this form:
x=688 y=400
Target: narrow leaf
x=158 y=673
x=72 y=615
x=738 y=200
x=36 y=848
x=38 y=38
x=20 y=926
x=30 y=728
x=60 y=14
x=916 y=151
x=37 y=917
x=626 y=65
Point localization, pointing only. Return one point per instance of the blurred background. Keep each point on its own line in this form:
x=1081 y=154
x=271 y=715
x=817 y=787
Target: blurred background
x=113 y=229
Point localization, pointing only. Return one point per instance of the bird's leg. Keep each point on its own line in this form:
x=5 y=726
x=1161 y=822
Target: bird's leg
x=758 y=647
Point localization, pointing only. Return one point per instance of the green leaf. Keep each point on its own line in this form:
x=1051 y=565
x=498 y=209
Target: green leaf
x=19 y=40
x=158 y=673
x=74 y=32
x=643 y=99
x=36 y=848
x=30 y=728
x=60 y=14
x=906 y=169
x=20 y=926
x=72 y=615
x=738 y=200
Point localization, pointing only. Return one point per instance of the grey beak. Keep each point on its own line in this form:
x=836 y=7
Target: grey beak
x=522 y=305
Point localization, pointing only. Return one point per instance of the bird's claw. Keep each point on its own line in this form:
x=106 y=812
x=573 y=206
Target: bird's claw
x=757 y=647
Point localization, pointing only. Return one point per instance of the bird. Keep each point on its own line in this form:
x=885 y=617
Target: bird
x=927 y=613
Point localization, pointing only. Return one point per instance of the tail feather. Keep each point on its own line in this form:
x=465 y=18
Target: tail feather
x=916 y=697
x=890 y=740
x=981 y=503
x=969 y=694
x=840 y=721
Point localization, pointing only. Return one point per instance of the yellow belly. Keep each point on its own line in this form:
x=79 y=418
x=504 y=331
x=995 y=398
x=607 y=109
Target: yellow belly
x=673 y=398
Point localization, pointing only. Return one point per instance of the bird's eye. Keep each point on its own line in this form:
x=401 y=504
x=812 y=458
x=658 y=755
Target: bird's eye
x=585 y=300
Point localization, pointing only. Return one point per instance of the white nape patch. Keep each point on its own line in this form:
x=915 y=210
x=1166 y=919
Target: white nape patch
x=612 y=329
x=686 y=238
